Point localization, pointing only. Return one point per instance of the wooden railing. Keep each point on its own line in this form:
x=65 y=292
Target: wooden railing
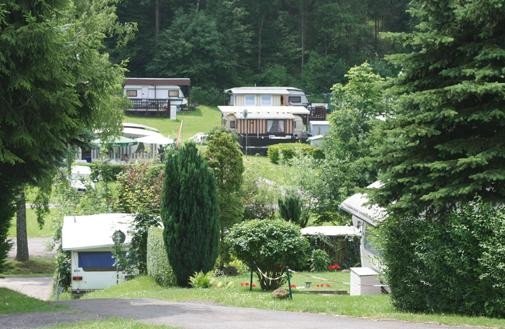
x=149 y=106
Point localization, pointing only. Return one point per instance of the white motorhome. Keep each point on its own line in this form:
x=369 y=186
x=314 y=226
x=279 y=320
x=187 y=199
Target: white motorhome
x=90 y=242
x=366 y=217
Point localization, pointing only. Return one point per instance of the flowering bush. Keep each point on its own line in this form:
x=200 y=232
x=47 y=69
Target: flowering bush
x=334 y=267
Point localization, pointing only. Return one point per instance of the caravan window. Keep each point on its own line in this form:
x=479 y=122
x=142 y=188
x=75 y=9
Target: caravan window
x=372 y=239
x=275 y=126
x=250 y=100
x=173 y=93
x=295 y=99
x=131 y=93
x=266 y=100
x=96 y=261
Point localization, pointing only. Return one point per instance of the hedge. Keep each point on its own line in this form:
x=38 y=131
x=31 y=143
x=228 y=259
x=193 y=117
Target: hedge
x=285 y=151
x=157 y=260
x=104 y=171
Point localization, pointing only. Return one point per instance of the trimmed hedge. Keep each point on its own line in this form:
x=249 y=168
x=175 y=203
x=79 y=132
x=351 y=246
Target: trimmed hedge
x=105 y=171
x=157 y=260
x=283 y=152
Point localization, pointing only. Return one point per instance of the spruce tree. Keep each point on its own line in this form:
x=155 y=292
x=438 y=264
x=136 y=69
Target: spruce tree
x=445 y=143
x=189 y=213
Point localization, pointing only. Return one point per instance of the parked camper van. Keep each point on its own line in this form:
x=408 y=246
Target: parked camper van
x=90 y=242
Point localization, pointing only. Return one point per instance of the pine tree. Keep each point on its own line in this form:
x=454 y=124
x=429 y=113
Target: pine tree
x=189 y=213
x=446 y=142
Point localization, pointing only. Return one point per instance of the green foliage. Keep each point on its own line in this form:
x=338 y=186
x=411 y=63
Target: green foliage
x=224 y=157
x=319 y=260
x=207 y=95
x=189 y=211
x=140 y=188
x=268 y=247
x=449 y=265
x=291 y=209
x=157 y=264
x=106 y=172
x=445 y=142
x=258 y=197
x=348 y=147
x=63 y=271
x=282 y=153
x=201 y=280
x=7 y=209
x=14 y=302
x=137 y=251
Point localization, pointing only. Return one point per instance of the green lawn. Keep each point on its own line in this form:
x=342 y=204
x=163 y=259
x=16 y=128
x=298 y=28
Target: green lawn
x=109 y=324
x=32 y=227
x=13 y=302
x=261 y=166
x=202 y=119
x=232 y=293
x=36 y=266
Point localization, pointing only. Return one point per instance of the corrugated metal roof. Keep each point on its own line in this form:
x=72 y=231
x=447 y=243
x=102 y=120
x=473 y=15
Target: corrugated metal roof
x=158 y=81
x=263 y=90
x=94 y=231
x=358 y=205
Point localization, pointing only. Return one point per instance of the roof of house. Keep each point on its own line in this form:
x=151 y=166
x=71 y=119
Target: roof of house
x=94 y=231
x=158 y=81
x=263 y=90
x=239 y=110
x=331 y=230
x=358 y=205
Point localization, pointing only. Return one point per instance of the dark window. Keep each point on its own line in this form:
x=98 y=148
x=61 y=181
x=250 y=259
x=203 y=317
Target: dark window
x=232 y=124
x=275 y=126
x=96 y=261
x=131 y=93
x=295 y=99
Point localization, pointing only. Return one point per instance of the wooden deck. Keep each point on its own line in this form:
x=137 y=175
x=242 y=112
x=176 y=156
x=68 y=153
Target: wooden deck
x=149 y=107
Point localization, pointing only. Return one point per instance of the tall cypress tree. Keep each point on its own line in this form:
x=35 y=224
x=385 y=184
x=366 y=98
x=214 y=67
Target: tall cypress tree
x=446 y=142
x=189 y=213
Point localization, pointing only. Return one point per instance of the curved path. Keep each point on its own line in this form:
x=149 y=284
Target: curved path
x=201 y=316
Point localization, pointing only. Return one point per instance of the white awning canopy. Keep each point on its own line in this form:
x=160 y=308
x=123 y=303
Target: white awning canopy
x=94 y=231
x=331 y=231
x=155 y=139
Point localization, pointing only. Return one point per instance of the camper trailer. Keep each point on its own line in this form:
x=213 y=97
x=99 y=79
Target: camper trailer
x=366 y=217
x=157 y=96
x=89 y=239
x=266 y=96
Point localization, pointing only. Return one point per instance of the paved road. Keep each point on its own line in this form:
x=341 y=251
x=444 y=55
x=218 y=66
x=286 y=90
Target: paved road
x=201 y=316
x=36 y=247
x=38 y=287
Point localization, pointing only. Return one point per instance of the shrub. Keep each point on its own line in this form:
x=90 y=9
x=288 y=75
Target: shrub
x=290 y=209
x=269 y=246
x=201 y=280
x=157 y=260
x=282 y=153
x=319 y=260
x=137 y=255
x=104 y=171
x=450 y=264
x=189 y=213
x=208 y=96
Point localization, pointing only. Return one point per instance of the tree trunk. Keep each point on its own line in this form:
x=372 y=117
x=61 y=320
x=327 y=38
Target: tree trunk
x=260 y=39
x=156 y=20
x=21 y=236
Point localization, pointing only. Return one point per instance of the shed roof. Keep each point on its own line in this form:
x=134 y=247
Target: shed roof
x=331 y=230
x=94 y=231
x=358 y=205
x=158 y=81
x=263 y=90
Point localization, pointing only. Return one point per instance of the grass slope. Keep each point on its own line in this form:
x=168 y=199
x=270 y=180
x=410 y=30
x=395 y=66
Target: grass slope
x=36 y=266
x=13 y=302
x=376 y=306
x=202 y=119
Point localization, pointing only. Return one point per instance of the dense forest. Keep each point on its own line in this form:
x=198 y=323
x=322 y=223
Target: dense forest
x=226 y=43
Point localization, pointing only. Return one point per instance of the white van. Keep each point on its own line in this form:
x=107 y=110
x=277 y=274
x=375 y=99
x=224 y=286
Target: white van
x=89 y=239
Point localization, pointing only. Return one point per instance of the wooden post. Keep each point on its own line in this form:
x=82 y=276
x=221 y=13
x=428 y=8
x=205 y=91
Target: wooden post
x=289 y=283
x=250 y=281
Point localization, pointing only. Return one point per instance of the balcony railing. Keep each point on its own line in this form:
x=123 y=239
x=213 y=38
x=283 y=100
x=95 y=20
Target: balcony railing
x=149 y=106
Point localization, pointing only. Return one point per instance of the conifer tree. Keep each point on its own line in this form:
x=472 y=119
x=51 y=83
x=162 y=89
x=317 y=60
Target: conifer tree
x=446 y=142
x=189 y=213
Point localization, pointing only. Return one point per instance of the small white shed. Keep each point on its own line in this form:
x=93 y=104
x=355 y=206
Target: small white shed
x=89 y=239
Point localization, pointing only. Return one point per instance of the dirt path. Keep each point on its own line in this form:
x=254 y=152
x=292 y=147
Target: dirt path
x=201 y=316
x=37 y=287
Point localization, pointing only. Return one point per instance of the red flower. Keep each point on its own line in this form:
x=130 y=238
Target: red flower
x=333 y=267
x=293 y=286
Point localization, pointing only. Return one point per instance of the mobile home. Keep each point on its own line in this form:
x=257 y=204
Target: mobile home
x=89 y=239
x=266 y=96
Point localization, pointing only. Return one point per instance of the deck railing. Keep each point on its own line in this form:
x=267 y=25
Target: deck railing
x=149 y=106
